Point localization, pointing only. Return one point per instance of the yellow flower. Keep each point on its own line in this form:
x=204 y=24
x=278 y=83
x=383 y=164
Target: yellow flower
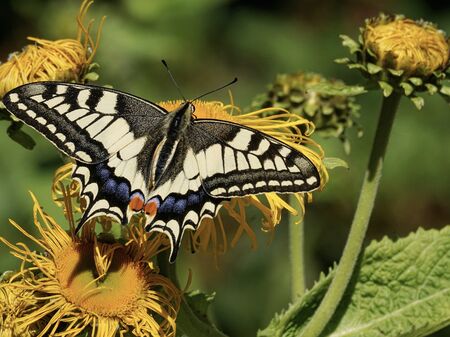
x=401 y=55
x=82 y=283
x=415 y=47
x=15 y=302
x=62 y=60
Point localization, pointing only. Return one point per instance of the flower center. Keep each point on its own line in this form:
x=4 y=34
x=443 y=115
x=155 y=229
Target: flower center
x=115 y=293
x=407 y=45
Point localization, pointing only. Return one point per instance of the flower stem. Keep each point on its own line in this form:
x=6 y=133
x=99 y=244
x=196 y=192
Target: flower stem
x=360 y=222
x=297 y=255
x=187 y=320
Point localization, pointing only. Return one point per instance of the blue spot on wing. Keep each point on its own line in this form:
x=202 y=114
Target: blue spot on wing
x=193 y=199
x=103 y=173
x=180 y=206
x=167 y=205
x=123 y=192
x=109 y=187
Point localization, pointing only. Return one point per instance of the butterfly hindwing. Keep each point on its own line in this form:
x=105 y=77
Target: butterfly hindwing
x=181 y=199
x=109 y=186
x=88 y=123
x=104 y=193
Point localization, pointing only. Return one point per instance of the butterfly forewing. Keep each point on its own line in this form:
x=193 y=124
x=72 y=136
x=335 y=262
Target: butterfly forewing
x=234 y=160
x=87 y=123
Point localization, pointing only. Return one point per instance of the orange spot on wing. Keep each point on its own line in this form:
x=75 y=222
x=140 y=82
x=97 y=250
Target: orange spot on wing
x=136 y=204
x=150 y=208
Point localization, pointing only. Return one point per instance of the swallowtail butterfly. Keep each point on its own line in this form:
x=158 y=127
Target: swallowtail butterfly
x=134 y=156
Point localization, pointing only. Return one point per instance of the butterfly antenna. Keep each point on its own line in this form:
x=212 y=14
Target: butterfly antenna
x=210 y=92
x=173 y=79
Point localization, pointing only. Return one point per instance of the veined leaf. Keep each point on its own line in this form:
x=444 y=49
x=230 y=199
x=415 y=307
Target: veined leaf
x=400 y=288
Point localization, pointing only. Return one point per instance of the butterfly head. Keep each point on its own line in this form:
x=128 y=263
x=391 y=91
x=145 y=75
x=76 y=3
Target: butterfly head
x=189 y=106
x=182 y=116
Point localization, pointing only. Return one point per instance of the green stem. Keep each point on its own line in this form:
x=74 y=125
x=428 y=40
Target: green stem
x=187 y=321
x=297 y=255
x=360 y=220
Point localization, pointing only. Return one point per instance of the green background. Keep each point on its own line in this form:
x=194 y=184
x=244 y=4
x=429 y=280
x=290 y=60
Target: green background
x=207 y=43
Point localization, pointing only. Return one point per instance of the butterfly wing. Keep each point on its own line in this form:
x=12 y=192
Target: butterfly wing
x=218 y=160
x=181 y=200
x=104 y=192
x=88 y=123
x=235 y=160
x=108 y=186
x=106 y=131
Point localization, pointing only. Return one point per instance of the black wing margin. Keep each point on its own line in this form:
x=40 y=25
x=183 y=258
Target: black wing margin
x=88 y=123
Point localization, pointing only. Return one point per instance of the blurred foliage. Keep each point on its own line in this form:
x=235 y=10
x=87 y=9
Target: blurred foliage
x=207 y=43
x=328 y=103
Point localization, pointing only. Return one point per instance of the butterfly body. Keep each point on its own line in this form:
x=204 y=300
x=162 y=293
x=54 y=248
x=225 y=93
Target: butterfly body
x=134 y=156
x=175 y=128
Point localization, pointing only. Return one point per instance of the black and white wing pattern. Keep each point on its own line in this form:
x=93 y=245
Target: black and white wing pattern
x=218 y=160
x=88 y=123
x=248 y=161
x=106 y=131
x=132 y=156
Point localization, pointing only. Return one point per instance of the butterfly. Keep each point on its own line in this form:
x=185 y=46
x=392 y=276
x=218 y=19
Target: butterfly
x=132 y=155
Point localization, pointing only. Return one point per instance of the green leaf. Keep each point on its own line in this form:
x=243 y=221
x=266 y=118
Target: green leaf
x=416 y=81
x=370 y=51
x=192 y=318
x=408 y=88
x=199 y=303
x=400 y=288
x=91 y=77
x=387 y=88
x=359 y=66
x=445 y=90
x=396 y=72
x=351 y=44
x=432 y=89
x=336 y=89
x=445 y=93
x=418 y=102
x=343 y=60
x=18 y=135
x=373 y=68
x=93 y=66
x=333 y=162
